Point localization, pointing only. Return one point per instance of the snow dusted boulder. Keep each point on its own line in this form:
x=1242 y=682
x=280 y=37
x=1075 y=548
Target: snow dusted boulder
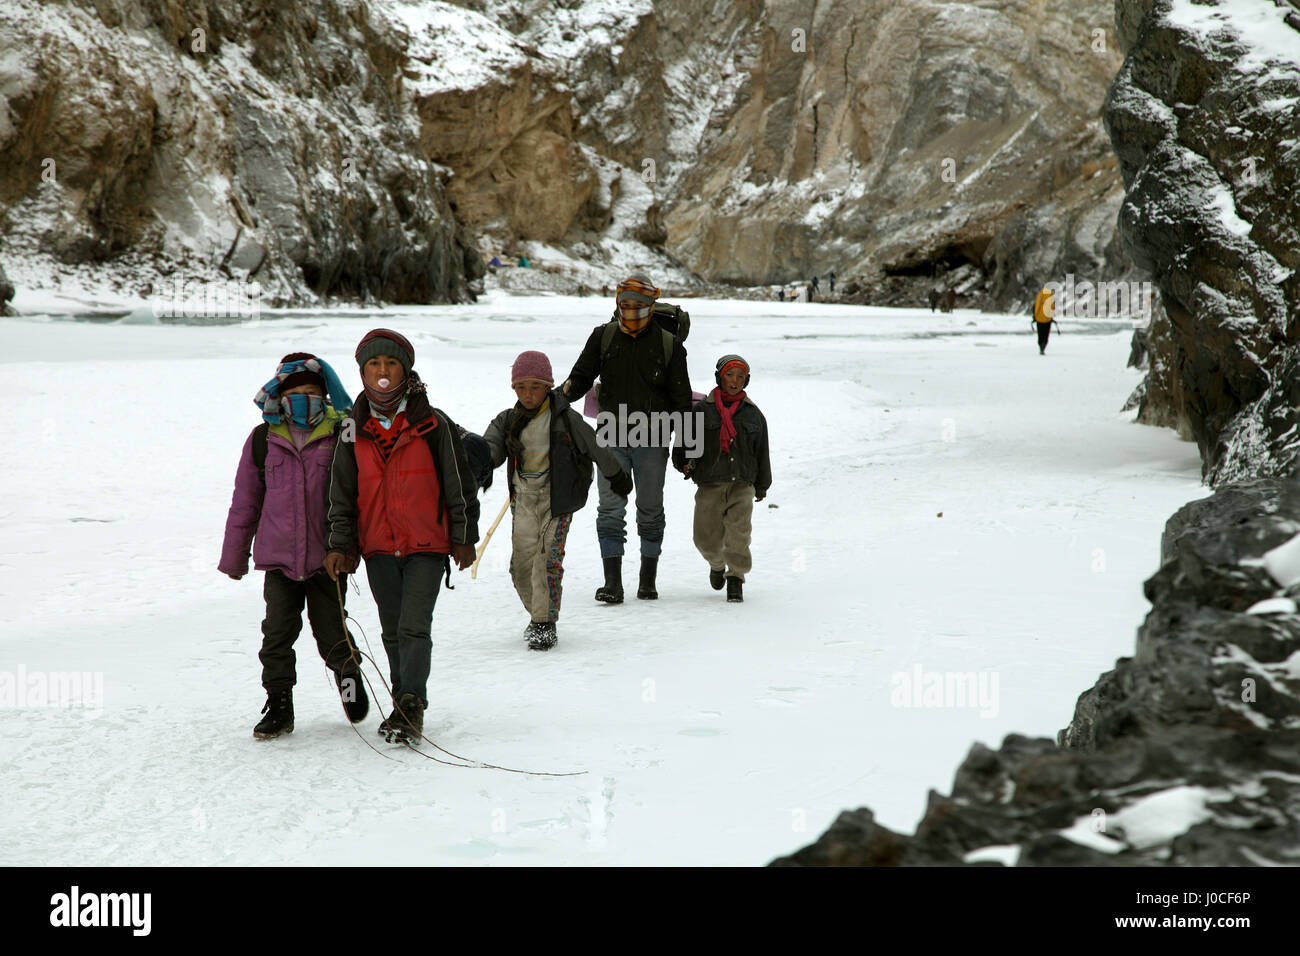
x=6 y=292
x=222 y=140
x=1186 y=754
x=1205 y=119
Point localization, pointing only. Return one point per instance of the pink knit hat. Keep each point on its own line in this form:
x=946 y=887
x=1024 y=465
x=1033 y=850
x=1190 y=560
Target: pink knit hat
x=532 y=365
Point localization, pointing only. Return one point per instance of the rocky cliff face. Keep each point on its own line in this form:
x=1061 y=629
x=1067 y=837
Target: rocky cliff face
x=1184 y=754
x=907 y=140
x=254 y=140
x=366 y=149
x=1205 y=118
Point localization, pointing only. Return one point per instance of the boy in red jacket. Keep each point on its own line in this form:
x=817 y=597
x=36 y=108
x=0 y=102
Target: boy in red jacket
x=401 y=489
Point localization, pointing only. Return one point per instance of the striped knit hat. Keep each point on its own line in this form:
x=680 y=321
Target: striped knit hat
x=386 y=342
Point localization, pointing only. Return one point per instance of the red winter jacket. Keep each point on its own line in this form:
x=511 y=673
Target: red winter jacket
x=411 y=502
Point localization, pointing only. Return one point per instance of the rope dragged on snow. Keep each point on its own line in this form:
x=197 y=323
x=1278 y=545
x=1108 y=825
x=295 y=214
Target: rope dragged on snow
x=357 y=656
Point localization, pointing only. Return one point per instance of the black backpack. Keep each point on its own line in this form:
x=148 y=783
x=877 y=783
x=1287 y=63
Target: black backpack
x=672 y=320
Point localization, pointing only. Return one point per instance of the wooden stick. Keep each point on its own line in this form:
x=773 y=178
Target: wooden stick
x=473 y=574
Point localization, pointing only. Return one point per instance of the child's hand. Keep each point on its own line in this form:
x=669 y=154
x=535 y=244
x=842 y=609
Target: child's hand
x=760 y=496
x=335 y=564
x=463 y=555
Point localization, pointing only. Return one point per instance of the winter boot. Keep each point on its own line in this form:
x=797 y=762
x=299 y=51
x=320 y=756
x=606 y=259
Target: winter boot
x=389 y=723
x=352 y=691
x=279 y=715
x=408 y=720
x=734 y=595
x=646 y=589
x=716 y=579
x=543 y=637
x=612 y=591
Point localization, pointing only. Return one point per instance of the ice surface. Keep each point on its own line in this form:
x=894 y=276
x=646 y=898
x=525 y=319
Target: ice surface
x=710 y=733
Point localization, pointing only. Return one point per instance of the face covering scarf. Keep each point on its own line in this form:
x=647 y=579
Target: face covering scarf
x=302 y=410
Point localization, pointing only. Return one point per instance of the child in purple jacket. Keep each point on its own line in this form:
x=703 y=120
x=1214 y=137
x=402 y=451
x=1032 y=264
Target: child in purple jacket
x=281 y=493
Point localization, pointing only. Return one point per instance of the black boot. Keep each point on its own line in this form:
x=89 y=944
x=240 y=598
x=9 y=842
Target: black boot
x=352 y=691
x=612 y=591
x=646 y=589
x=408 y=719
x=279 y=715
x=716 y=580
x=734 y=595
x=543 y=636
x=389 y=723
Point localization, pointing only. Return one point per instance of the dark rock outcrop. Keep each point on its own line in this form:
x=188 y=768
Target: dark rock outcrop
x=1206 y=127
x=1185 y=754
x=231 y=140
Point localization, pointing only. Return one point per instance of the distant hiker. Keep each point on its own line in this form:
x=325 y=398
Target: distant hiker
x=642 y=371
x=949 y=301
x=548 y=450
x=810 y=291
x=934 y=297
x=734 y=472
x=816 y=286
x=403 y=492
x=281 y=491
x=830 y=276
x=1044 y=317
x=780 y=295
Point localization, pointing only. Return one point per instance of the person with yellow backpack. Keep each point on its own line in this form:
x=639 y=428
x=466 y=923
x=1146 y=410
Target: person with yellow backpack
x=1045 y=317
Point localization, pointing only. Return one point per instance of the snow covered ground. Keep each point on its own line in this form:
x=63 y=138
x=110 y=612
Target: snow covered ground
x=946 y=502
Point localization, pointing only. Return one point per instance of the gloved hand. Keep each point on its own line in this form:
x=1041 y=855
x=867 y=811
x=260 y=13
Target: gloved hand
x=621 y=484
x=679 y=458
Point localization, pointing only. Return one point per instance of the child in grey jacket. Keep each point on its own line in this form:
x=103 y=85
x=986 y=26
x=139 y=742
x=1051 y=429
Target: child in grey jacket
x=549 y=451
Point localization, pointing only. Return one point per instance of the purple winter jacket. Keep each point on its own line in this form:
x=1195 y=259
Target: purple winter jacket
x=284 y=519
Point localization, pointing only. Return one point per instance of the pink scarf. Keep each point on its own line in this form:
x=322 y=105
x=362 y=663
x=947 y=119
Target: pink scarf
x=727 y=409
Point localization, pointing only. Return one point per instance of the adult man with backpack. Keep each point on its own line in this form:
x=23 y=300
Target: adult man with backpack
x=641 y=362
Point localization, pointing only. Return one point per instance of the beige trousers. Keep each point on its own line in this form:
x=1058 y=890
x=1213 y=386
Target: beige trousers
x=723 y=518
x=537 y=553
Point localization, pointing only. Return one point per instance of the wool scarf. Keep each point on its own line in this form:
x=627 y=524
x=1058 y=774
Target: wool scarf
x=727 y=406
x=383 y=403
x=268 y=397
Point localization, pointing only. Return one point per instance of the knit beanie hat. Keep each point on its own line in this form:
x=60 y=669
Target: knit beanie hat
x=532 y=365
x=637 y=289
x=728 y=361
x=386 y=342
x=304 y=376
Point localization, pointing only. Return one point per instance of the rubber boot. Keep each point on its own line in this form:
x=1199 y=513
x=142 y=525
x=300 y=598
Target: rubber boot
x=612 y=591
x=735 y=593
x=646 y=589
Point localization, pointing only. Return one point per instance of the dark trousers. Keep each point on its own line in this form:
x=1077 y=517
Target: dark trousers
x=284 y=601
x=1044 y=333
x=406 y=590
